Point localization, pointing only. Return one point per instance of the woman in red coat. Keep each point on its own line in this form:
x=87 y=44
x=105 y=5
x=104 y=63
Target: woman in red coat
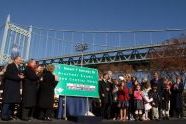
x=123 y=100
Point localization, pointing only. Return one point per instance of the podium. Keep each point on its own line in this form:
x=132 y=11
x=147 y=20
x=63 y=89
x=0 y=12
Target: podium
x=75 y=109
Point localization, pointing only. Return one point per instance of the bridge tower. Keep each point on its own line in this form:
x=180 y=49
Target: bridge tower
x=15 y=38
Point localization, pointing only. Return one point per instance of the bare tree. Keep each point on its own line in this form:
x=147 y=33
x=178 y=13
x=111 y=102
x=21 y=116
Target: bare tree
x=170 y=59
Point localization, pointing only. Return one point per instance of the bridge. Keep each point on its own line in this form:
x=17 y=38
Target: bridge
x=59 y=46
x=140 y=53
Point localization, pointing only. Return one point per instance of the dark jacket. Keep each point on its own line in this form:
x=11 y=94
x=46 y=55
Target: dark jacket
x=156 y=98
x=30 y=87
x=166 y=96
x=114 y=93
x=46 y=90
x=159 y=84
x=177 y=95
x=11 y=87
x=103 y=86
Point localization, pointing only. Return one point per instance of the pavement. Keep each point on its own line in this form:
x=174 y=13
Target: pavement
x=34 y=121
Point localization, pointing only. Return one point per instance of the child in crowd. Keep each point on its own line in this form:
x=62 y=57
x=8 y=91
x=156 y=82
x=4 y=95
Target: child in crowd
x=147 y=100
x=123 y=100
x=155 y=103
x=138 y=103
x=166 y=95
x=131 y=91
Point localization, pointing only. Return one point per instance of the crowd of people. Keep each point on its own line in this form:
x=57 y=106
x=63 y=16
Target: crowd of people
x=124 y=98
x=37 y=97
x=121 y=97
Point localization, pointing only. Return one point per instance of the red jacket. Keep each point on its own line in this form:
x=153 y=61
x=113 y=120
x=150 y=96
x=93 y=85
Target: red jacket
x=123 y=94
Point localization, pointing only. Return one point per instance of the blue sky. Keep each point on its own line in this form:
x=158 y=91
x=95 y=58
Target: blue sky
x=96 y=14
x=93 y=15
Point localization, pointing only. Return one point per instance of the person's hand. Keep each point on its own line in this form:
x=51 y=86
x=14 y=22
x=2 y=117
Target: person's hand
x=41 y=79
x=100 y=104
x=21 y=76
x=3 y=70
x=107 y=89
x=56 y=78
x=175 y=86
x=103 y=95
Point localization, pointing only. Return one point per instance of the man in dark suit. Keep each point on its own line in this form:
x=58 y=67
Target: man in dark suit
x=158 y=82
x=11 y=88
x=105 y=95
x=30 y=88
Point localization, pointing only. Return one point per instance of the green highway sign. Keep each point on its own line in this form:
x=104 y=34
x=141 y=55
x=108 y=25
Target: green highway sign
x=76 y=81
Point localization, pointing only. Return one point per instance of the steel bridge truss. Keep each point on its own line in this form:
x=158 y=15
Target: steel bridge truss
x=142 y=53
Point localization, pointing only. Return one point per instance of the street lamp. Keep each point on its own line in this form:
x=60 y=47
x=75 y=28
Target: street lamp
x=81 y=47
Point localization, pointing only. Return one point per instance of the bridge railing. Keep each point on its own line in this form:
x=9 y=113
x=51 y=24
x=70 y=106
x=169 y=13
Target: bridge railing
x=52 y=43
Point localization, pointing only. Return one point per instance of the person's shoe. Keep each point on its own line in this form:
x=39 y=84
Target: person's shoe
x=136 y=117
x=13 y=118
x=48 y=119
x=25 y=119
x=167 y=118
x=136 y=120
x=114 y=119
x=6 y=119
x=147 y=119
x=157 y=120
x=132 y=118
x=41 y=118
x=141 y=118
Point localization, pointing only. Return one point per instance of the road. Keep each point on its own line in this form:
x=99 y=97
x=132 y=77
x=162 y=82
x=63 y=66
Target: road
x=172 y=121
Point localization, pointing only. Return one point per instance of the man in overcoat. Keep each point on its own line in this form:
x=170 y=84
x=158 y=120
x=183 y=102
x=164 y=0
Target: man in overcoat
x=105 y=96
x=11 y=88
x=30 y=89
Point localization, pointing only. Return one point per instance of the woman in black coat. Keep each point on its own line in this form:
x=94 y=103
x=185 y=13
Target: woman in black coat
x=177 y=97
x=46 y=93
x=30 y=88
